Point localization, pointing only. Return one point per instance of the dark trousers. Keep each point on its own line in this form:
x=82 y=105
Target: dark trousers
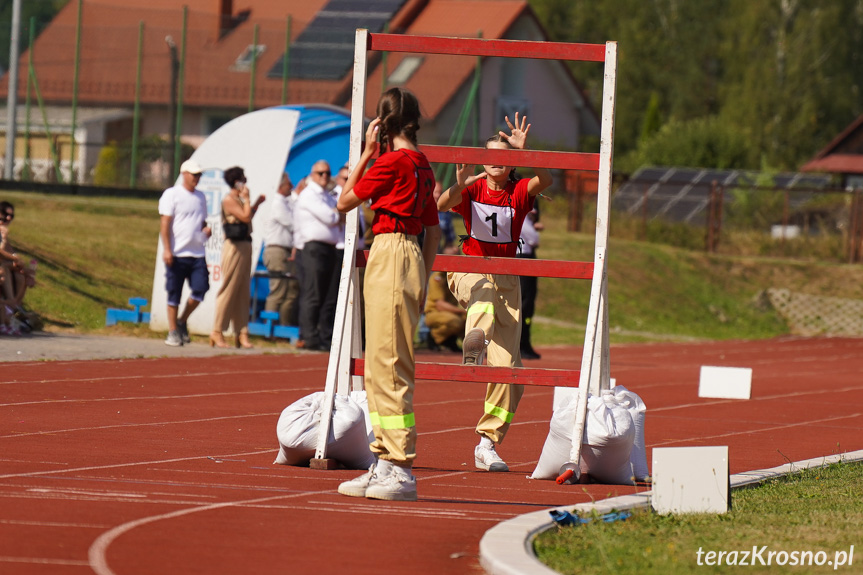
x=318 y=264
x=328 y=308
x=529 y=285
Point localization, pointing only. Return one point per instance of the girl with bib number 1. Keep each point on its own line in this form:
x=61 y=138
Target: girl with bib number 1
x=494 y=205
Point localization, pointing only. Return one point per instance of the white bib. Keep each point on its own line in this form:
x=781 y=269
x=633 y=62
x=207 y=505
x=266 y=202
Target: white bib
x=491 y=224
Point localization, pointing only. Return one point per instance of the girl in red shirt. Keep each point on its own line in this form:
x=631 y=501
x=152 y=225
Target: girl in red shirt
x=400 y=186
x=494 y=205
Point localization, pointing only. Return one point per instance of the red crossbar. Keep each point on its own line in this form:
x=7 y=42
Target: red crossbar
x=506 y=266
x=482 y=47
x=525 y=158
x=486 y=374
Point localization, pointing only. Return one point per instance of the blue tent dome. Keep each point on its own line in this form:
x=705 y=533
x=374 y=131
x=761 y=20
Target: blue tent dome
x=323 y=133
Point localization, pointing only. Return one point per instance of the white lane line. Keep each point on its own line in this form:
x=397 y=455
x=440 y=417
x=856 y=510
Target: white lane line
x=128 y=425
x=98 y=550
x=127 y=464
x=244 y=373
x=756 y=431
x=42 y=561
x=157 y=397
x=52 y=524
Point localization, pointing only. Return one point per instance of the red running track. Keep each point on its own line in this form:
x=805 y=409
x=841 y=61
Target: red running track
x=165 y=465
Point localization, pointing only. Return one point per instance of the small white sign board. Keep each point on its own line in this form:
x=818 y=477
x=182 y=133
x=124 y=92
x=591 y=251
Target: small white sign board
x=690 y=480
x=562 y=395
x=725 y=382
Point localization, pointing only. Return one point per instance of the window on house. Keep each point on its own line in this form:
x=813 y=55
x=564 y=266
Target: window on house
x=508 y=106
x=244 y=62
x=213 y=122
x=405 y=70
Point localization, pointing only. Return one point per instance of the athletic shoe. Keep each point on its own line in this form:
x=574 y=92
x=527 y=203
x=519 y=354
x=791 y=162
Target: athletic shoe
x=357 y=487
x=184 y=332
x=529 y=353
x=399 y=485
x=488 y=459
x=473 y=345
x=174 y=339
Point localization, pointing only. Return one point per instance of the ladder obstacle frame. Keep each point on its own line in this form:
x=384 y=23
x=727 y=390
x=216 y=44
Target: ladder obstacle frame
x=346 y=364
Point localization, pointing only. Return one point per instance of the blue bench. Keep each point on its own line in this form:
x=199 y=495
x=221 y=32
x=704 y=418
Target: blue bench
x=113 y=315
x=270 y=328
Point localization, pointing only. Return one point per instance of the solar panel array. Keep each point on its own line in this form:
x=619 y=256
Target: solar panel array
x=324 y=50
x=683 y=194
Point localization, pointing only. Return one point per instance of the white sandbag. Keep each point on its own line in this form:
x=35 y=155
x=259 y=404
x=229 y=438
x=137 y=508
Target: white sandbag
x=610 y=434
x=348 y=443
x=637 y=410
x=607 y=442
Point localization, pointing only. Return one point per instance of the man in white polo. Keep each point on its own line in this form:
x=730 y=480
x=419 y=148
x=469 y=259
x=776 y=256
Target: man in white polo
x=279 y=254
x=184 y=232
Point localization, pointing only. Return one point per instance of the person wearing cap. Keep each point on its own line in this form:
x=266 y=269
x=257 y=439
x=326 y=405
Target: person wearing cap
x=184 y=232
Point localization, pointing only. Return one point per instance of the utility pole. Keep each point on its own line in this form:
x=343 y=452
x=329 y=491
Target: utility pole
x=172 y=134
x=12 y=96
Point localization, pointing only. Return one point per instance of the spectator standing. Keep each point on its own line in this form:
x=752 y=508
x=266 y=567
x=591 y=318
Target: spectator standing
x=400 y=185
x=280 y=255
x=318 y=221
x=232 y=301
x=494 y=205
x=184 y=231
x=529 y=284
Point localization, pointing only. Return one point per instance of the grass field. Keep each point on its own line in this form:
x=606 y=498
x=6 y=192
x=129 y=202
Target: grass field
x=814 y=516
x=96 y=253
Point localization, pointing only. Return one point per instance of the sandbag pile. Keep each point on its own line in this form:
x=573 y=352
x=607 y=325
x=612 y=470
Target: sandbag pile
x=350 y=432
x=613 y=449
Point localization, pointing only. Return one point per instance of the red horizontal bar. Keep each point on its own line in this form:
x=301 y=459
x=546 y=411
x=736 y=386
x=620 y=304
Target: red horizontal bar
x=506 y=266
x=497 y=156
x=483 y=47
x=486 y=374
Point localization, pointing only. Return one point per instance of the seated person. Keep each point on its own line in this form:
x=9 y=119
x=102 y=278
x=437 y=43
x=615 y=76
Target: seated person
x=444 y=317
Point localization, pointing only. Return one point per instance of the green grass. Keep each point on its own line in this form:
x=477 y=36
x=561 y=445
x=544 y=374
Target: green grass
x=818 y=509
x=93 y=253
x=96 y=253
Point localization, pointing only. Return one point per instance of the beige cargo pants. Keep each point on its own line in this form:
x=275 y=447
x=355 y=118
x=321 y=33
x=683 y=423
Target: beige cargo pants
x=393 y=285
x=493 y=303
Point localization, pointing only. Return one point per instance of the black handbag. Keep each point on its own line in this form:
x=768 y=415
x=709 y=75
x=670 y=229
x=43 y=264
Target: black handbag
x=236 y=232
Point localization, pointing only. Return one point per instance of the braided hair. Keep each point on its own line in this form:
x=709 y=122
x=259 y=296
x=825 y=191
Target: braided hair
x=399 y=112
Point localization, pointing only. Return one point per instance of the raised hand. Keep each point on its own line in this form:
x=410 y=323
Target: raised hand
x=518 y=137
x=463 y=173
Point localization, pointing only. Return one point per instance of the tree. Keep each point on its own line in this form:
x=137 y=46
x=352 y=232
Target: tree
x=43 y=10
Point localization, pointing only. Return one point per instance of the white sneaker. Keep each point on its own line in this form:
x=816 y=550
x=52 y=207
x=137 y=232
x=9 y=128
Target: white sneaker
x=399 y=485
x=174 y=339
x=357 y=487
x=472 y=346
x=488 y=459
x=184 y=333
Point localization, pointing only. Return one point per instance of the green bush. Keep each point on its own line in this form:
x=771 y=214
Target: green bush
x=107 y=170
x=699 y=142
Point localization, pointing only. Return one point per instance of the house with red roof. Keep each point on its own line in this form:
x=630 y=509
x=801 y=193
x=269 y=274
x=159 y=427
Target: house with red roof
x=842 y=156
x=202 y=63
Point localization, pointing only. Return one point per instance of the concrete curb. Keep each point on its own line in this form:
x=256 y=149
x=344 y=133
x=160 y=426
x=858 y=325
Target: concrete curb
x=507 y=548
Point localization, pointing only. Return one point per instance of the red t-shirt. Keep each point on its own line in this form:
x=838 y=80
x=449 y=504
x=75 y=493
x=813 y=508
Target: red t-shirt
x=493 y=220
x=400 y=185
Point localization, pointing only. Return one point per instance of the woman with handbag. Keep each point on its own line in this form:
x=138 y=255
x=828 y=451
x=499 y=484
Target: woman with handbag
x=232 y=301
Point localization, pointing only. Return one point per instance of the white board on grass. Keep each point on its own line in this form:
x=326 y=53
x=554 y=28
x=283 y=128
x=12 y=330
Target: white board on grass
x=690 y=480
x=725 y=382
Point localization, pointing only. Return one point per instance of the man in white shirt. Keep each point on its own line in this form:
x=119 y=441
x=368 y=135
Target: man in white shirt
x=317 y=221
x=279 y=254
x=184 y=231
